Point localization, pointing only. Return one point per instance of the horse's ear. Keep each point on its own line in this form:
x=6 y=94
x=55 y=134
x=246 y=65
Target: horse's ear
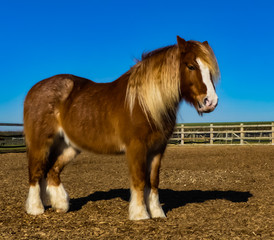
x=205 y=43
x=181 y=44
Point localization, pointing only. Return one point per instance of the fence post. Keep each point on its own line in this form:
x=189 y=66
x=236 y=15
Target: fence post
x=182 y=134
x=211 y=133
x=272 y=135
x=242 y=134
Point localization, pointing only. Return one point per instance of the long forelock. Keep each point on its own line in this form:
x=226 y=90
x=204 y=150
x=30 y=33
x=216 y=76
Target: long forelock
x=154 y=82
x=206 y=54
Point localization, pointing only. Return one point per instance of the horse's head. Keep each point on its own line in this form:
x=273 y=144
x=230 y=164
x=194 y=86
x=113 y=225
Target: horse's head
x=198 y=72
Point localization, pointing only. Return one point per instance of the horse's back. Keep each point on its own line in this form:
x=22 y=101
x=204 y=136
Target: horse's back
x=78 y=108
x=92 y=114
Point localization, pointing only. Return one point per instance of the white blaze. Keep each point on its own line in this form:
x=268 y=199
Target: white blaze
x=211 y=94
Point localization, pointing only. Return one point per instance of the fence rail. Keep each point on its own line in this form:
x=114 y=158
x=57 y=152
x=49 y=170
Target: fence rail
x=12 y=138
x=224 y=134
x=244 y=133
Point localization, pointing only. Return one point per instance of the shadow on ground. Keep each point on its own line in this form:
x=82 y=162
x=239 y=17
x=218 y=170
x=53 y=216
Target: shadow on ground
x=170 y=198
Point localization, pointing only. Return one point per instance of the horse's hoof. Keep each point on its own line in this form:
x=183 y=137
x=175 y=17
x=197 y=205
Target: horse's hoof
x=158 y=213
x=34 y=210
x=139 y=217
x=138 y=213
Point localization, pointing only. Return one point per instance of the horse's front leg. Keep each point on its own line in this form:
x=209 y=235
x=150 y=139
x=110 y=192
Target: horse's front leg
x=137 y=160
x=151 y=191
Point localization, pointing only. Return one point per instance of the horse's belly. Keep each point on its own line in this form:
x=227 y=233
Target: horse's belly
x=97 y=144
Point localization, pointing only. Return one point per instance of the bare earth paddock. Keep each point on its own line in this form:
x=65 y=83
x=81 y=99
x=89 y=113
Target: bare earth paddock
x=207 y=192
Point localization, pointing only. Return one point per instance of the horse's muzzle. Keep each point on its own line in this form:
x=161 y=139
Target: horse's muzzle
x=207 y=105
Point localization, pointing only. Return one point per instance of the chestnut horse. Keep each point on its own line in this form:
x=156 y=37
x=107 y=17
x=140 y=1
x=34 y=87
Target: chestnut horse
x=135 y=114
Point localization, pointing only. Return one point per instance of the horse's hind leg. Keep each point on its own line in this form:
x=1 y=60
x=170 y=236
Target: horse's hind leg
x=60 y=156
x=151 y=191
x=37 y=164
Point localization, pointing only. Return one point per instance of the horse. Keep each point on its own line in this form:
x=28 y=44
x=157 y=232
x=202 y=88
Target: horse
x=135 y=115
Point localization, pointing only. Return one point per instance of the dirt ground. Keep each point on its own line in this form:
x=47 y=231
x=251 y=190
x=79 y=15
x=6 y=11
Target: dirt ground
x=207 y=192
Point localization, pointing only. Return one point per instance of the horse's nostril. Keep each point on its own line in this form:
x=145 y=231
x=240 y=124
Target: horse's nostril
x=206 y=101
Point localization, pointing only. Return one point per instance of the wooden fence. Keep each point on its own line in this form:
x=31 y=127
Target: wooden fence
x=12 y=138
x=229 y=133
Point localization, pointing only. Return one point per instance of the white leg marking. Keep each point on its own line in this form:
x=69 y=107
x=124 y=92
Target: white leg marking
x=68 y=154
x=136 y=211
x=211 y=93
x=34 y=204
x=58 y=197
x=44 y=195
x=153 y=204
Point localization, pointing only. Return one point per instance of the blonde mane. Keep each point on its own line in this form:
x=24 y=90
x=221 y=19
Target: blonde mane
x=155 y=83
x=155 y=80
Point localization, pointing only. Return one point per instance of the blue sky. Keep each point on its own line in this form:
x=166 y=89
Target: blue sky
x=100 y=39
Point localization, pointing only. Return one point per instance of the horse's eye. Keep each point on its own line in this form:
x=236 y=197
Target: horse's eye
x=191 y=67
